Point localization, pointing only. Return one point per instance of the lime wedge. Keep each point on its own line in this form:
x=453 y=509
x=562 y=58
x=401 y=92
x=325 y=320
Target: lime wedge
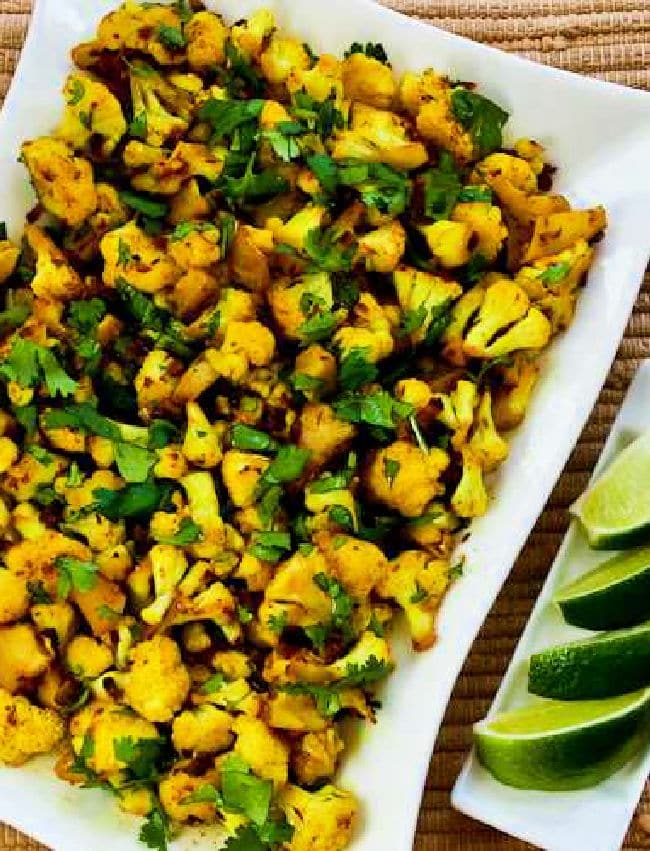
x=609 y=664
x=615 y=511
x=613 y=595
x=553 y=745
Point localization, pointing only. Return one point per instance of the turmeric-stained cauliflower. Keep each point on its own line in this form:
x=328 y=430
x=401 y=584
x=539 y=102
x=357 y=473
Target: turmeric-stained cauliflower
x=261 y=342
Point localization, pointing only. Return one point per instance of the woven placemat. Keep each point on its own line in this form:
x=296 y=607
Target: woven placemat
x=608 y=39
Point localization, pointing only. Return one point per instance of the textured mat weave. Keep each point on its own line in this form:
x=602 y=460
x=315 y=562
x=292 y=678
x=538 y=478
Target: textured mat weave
x=609 y=39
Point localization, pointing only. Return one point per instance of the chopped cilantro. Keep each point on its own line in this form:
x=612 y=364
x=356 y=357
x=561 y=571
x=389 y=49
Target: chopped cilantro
x=144 y=204
x=375 y=409
x=74 y=574
x=28 y=364
x=391 y=469
x=188 y=533
x=172 y=37
x=277 y=623
x=483 y=118
x=356 y=370
x=370 y=49
x=554 y=274
x=137 y=501
x=156 y=831
x=250 y=439
x=214 y=684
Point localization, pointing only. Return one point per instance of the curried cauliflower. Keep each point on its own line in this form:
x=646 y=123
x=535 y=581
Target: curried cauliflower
x=157 y=682
x=405 y=478
x=26 y=730
x=378 y=136
x=92 y=109
x=322 y=820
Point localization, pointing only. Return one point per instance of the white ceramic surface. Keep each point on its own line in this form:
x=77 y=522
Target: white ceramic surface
x=590 y=819
x=599 y=135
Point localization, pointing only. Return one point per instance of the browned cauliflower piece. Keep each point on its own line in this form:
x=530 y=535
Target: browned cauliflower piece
x=315 y=756
x=405 y=478
x=205 y=729
x=206 y=41
x=378 y=136
x=141 y=27
x=63 y=182
x=322 y=821
x=157 y=682
x=369 y=81
x=26 y=730
x=91 y=110
x=323 y=433
x=24 y=657
x=262 y=749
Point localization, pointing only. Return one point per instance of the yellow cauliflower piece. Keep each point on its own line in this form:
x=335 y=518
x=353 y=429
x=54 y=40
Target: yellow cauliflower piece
x=34 y=559
x=405 y=478
x=105 y=724
x=488 y=446
x=91 y=110
x=131 y=255
x=261 y=749
x=557 y=231
x=322 y=821
x=241 y=472
x=320 y=82
x=378 y=136
x=204 y=510
x=293 y=592
x=26 y=730
x=417 y=290
x=470 y=499
x=23 y=656
x=55 y=278
x=174 y=791
x=158 y=682
x=486 y=226
x=248 y=257
x=206 y=36
x=370 y=329
x=296 y=713
x=64 y=183
x=14 y=597
x=315 y=756
x=515 y=170
x=168 y=566
x=294 y=232
x=200 y=248
x=382 y=249
x=188 y=204
x=99 y=604
x=202 y=446
x=368 y=81
x=9 y=254
x=205 y=729
x=155 y=383
x=283 y=56
x=58 y=617
x=249 y=36
x=448 y=242
x=136 y=27
x=318 y=363
x=428 y=97
x=511 y=398
x=286 y=300
x=253 y=340
x=323 y=433
x=417 y=583
x=358 y=565
x=88 y=658
x=506 y=322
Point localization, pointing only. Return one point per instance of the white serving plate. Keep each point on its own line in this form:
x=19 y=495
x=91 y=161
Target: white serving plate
x=590 y=819
x=599 y=134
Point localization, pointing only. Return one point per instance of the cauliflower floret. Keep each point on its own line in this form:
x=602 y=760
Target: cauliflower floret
x=58 y=618
x=489 y=447
x=557 y=231
x=315 y=757
x=14 y=597
x=249 y=36
x=512 y=396
x=322 y=820
x=368 y=81
x=448 y=242
x=100 y=604
x=34 y=560
x=358 y=565
x=470 y=499
x=295 y=231
x=64 y=183
x=253 y=340
x=319 y=364
x=507 y=167
x=137 y=27
x=405 y=478
x=321 y=82
x=92 y=109
x=457 y=410
x=378 y=136
x=199 y=249
x=418 y=290
x=188 y=204
x=131 y=255
x=26 y=730
x=261 y=749
x=287 y=300
x=9 y=254
x=283 y=56
x=88 y=658
x=157 y=683
x=249 y=257
x=202 y=446
x=323 y=433
x=293 y=593
x=174 y=791
x=54 y=278
x=160 y=124
x=204 y=510
x=168 y=566
x=428 y=97
x=370 y=331
x=485 y=223
x=506 y=323
x=206 y=36
x=105 y=724
x=205 y=729
x=23 y=656
x=296 y=713
x=417 y=583
x=156 y=382
x=382 y=249
x=241 y=473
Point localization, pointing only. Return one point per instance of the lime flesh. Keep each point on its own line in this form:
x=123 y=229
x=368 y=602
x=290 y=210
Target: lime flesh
x=556 y=746
x=613 y=595
x=615 y=511
x=609 y=664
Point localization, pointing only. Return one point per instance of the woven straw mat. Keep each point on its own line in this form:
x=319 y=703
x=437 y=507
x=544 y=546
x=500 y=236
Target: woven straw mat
x=608 y=39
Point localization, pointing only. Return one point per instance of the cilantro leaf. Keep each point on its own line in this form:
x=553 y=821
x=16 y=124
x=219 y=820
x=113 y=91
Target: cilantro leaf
x=265 y=184
x=371 y=50
x=482 y=117
x=356 y=370
x=172 y=37
x=439 y=320
x=214 y=684
x=246 y=839
x=342 y=604
x=380 y=186
x=442 y=186
x=77 y=92
x=251 y=440
x=134 y=463
x=28 y=364
x=162 y=433
x=321 y=117
x=144 y=204
x=277 y=623
x=27 y=417
x=156 y=830
x=184 y=229
x=391 y=469
x=188 y=533
x=474 y=194
x=226 y=116
x=13 y=317
x=286 y=467
x=326 y=170
x=375 y=409
x=270 y=546
x=74 y=575
x=324 y=250
x=141 y=757
x=240 y=78
x=554 y=274
x=134 y=501
x=84 y=316
x=244 y=793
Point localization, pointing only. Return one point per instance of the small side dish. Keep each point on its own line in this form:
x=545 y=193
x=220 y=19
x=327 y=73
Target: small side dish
x=261 y=340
